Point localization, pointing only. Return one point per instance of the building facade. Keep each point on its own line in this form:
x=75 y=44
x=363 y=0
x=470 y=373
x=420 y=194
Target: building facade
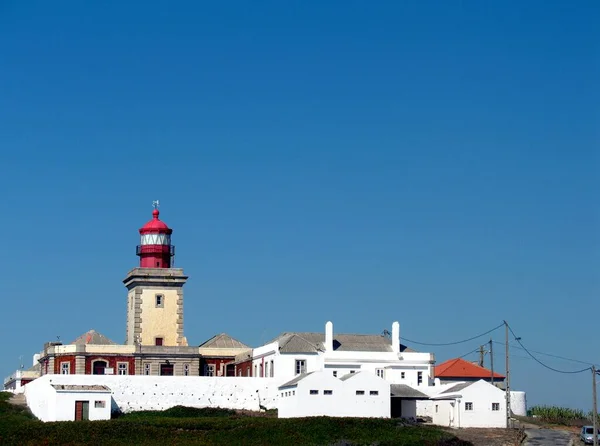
x=294 y=353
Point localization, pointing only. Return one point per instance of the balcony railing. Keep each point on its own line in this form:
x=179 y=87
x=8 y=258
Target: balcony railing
x=155 y=249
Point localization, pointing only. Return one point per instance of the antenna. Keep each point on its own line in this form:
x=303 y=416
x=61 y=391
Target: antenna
x=386 y=333
x=156 y=204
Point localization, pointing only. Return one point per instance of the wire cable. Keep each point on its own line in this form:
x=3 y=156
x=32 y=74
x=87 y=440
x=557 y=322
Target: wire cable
x=540 y=362
x=549 y=354
x=454 y=343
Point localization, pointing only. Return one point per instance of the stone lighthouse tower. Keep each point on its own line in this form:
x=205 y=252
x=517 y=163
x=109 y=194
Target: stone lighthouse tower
x=155 y=290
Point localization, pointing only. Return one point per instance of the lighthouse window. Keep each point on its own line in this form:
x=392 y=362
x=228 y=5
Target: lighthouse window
x=160 y=301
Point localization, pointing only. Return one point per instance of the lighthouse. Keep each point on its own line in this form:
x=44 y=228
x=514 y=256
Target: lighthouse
x=155 y=290
x=155 y=249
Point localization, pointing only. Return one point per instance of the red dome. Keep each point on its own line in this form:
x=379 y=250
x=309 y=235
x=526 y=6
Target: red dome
x=155 y=225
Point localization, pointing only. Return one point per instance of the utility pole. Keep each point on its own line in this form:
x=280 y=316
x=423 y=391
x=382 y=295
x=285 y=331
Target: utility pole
x=507 y=380
x=481 y=355
x=492 y=361
x=594 y=406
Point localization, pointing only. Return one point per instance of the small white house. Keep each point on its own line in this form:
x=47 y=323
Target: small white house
x=470 y=404
x=68 y=402
x=360 y=394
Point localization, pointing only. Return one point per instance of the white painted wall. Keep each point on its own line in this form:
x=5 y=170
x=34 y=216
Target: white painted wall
x=41 y=399
x=133 y=393
x=65 y=405
x=518 y=403
x=482 y=395
x=285 y=364
x=297 y=400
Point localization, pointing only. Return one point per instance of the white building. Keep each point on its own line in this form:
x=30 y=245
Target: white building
x=294 y=353
x=470 y=404
x=69 y=402
x=16 y=381
x=360 y=394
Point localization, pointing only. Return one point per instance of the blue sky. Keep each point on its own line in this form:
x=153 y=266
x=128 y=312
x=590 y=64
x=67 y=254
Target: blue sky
x=434 y=163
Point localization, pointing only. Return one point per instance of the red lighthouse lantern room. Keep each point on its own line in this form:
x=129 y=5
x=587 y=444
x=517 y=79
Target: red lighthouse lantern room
x=155 y=249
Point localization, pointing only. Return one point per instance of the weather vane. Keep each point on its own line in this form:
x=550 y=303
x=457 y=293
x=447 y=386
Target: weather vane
x=155 y=204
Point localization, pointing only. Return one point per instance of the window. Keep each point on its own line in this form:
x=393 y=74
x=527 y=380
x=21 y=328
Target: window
x=186 y=369
x=158 y=341
x=160 y=301
x=272 y=369
x=419 y=378
x=374 y=392
x=209 y=370
x=468 y=406
x=65 y=368
x=327 y=392
x=300 y=366
x=495 y=406
x=352 y=371
x=255 y=370
x=146 y=369
x=360 y=392
x=99 y=404
x=402 y=375
x=436 y=408
x=293 y=392
x=122 y=368
x=314 y=392
x=335 y=373
x=379 y=372
x=261 y=371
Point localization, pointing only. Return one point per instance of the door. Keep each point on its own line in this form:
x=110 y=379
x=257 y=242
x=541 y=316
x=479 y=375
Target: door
x=166 y=369
x=82 y=410
x=396 y=407
x=99 y=367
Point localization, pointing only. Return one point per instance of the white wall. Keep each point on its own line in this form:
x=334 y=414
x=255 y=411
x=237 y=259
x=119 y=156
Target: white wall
x=343 y=402
x=303 y=404
x=285 y=364
x=482 y=395
x=132 y=393
x=41 y=398
x=518 y=403
x=65 y=405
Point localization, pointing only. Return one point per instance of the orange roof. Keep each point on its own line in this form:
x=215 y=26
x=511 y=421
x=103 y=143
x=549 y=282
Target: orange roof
x=459 y=368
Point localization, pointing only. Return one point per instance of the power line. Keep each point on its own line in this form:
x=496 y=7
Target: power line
x=457 y=342
x=549 y=354
x=540 y=362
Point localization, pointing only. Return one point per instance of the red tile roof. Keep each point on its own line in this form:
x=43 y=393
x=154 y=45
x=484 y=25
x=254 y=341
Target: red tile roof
x=459 y=368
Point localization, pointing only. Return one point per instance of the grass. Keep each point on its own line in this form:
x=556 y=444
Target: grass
x=562 y=416
x=181 y=426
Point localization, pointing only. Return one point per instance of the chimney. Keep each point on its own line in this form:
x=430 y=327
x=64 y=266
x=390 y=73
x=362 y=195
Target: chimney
x=396 y=337
x=36 y=358
x=329 y=336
